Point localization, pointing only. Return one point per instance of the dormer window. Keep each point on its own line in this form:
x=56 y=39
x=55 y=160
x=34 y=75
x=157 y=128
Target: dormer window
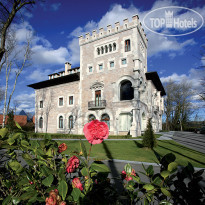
x=127 y=45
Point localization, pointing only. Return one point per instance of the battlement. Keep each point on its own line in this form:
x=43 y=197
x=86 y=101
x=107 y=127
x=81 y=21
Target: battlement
x=111 y=31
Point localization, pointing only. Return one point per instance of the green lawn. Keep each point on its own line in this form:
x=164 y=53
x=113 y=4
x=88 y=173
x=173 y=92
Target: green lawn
x=132 y=150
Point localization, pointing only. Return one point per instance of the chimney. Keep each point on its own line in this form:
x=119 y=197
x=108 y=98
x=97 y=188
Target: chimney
x=67 y=67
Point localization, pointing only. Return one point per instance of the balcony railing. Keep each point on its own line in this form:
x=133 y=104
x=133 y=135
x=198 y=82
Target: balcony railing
x=92 y=105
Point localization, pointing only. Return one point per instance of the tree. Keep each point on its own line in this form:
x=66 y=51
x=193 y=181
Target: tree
x=1 y=95
x=19 y=65
x=149 y=139
x=178 y=105
x=8 y=11
x=16 y=104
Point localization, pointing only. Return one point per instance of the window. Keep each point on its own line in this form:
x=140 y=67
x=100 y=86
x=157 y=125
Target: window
x=106 y=49
x=70 y=100
x=70 y=122
x=60 y=101
x=40 y=122
x=91 y=117
x=105 y=118
x=127 y=45
x=61 y=122
x=41 y=104
x=111 y=64
x=90 y=69
x=100 y=66
x=97 y=97
x=125 y=121
x=124 y=61
x=102 y=50
x=126 y=90
x=114 y=46
x=110 y=47
x=98 y=51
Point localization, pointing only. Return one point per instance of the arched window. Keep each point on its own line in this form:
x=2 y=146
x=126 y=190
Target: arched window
x=105 y=118
x=61 y=122
x=110 y=47
x=114 y=46
x=98 y=51
x=126 y=90
x=106 y=49
x=40 y=122
x=127 y=45
x=91 y=117
x=102 y=50
x=70 y=122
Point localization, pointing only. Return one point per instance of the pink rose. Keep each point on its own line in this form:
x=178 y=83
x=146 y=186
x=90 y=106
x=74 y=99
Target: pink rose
x=124 y=174
x=62 y=147
x=77 y=184
x=72 y=164
x=96 y=131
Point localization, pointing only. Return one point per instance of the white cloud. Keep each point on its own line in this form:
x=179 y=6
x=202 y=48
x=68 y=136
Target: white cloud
x=157 y=44
x=26 y=101
x=42 y=51
x=39 y=75
x=55 y=6
x=194 y=77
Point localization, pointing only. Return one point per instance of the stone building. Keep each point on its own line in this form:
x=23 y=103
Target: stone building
x=112 y=84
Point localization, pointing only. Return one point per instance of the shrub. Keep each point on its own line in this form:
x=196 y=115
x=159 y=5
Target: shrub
x=149 y=139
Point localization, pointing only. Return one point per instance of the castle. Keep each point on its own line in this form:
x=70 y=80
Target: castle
x=112 y=84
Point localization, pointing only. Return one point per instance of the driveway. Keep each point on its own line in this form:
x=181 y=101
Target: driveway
x=191 y=140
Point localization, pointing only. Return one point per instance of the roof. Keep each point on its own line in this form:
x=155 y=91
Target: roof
x=56 y=81
x=153 y=76
x=21 y=119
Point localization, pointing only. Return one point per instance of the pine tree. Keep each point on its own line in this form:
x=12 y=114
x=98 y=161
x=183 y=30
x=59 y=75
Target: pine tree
x=149 y=139
x=10 y=121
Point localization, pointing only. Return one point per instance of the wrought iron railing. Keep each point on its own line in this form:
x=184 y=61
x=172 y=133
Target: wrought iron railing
x=97 y=104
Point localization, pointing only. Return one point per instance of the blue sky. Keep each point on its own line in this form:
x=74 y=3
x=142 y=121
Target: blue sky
x=56 y=24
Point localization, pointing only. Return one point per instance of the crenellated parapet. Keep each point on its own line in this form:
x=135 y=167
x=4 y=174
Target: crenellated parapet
x=111 y=31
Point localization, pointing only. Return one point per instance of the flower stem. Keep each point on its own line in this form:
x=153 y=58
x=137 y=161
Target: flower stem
x=89 y=153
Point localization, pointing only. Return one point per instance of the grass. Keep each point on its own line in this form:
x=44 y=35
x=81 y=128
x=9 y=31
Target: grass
x=134 y=151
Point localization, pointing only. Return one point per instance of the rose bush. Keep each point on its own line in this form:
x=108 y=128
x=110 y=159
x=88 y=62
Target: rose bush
x=48 y=176
x=96 y=131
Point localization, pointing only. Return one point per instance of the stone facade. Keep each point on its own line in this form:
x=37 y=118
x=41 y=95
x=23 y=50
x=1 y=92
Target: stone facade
x=114 y=86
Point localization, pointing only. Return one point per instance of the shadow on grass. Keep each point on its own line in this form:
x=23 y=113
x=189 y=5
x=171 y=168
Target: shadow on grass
x=139 y=145
x=113 y=168
x=184 y=148
x=202 y=163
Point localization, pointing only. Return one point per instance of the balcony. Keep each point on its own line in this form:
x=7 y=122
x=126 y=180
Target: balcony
x=92 y=105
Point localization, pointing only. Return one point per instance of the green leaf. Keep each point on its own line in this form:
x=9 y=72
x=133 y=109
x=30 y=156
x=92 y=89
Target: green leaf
x=17 y=125
x=24 y=143
x=136 y=178
x=172 y=166
x=150 y=170
x=148 y=187
x=11 y=141
x=76 y=194
x=7 y=200
x=48 y=180
x=165 y=203
x=128 y=168
x=15 y=200
x=165 y=174
x=83 y=149
x=3 y=132
x=99 y=167
x=34 y=144
x=27 y=195
x=63 y=189
x=16 y=166
x=157 y=180
x=166 y=192
x=84 y=171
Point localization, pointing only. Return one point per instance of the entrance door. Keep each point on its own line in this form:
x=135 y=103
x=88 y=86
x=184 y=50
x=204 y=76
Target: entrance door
x=97 y=97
